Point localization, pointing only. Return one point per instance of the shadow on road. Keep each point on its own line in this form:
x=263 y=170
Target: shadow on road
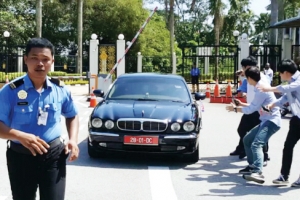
x=126 y=161
x=223 y=171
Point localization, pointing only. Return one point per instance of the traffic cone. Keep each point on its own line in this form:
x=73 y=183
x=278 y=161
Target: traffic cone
x=207 y=93
x=228 y=90
x=93 y=101
x=6 y=81
x=92 y=92
x=217 y=89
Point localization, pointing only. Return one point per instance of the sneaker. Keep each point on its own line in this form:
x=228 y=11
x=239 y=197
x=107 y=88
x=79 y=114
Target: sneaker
x=296 y=183
x=242 y=155
x=234 y=153
x=265 y=163
x=256 y=177
x=247 y=170
x=281 y=180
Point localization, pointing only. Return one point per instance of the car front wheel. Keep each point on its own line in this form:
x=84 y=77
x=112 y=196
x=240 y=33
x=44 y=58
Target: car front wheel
x=194 y=157
x=93 y=153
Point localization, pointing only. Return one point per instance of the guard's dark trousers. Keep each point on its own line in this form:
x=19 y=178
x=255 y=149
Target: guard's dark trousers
x=247 y=123
x=292 y=138
x=46 y=172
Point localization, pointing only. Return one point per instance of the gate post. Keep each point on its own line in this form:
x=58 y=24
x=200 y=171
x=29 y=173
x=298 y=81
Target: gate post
x=286 y=52
x=139 y=62
x=244 y=45
x=93 y=58
x=120 y=54
x=174 y=68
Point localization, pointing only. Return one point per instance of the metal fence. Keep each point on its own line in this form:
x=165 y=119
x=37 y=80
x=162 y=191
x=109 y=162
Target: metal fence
x=208 y=58
x=296 y=53
x=130 y=64
x=267 y=54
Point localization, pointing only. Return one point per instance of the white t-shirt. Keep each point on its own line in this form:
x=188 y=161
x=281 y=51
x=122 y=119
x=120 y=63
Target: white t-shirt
x=250 y=88
x=269 y=73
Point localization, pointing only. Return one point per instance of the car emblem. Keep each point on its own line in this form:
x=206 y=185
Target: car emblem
x=143 y=113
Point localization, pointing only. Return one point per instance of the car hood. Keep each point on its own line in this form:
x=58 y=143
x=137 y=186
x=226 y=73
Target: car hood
x=145 y=109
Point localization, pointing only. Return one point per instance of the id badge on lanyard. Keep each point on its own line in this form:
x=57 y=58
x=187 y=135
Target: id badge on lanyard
x=43 y=116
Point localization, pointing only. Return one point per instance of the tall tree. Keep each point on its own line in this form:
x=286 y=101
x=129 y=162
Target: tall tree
x=39 y=16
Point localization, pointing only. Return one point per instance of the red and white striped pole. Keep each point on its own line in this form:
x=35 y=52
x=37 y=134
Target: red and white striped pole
x=133 y=40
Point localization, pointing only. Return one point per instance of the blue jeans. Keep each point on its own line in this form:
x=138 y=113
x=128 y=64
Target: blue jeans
x=254 y=141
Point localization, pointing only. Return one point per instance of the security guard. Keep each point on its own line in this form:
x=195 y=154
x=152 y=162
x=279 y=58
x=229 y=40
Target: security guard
x=195 y=73
x=30 y=119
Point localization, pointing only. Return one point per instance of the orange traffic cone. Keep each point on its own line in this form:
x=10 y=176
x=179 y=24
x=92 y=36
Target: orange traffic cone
x=217 y=89
x=207 y=93
x=93 y=101
x=6 y=81
x=228 y=90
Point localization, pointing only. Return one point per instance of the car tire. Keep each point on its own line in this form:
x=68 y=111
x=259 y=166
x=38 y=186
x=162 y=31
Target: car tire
x=92 y=153
x=194 y=157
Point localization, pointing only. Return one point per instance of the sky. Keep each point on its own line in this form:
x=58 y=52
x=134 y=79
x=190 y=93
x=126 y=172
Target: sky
x=257 y=6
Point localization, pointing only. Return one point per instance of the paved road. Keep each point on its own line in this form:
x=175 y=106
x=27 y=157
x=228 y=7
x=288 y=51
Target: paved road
x=148 y=178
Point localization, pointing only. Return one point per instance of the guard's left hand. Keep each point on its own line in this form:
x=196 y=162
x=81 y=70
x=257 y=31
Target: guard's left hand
x=72 y=147
x=230 y=107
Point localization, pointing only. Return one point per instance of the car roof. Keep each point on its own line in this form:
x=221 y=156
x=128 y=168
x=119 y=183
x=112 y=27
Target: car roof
x=132 y=75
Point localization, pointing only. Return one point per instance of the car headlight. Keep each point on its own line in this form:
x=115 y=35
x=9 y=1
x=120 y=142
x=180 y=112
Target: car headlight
x=175 y=127
x=97 y=122
x=109 y=124
x=189 y=126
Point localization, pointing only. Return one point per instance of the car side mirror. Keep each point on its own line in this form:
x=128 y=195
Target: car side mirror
x=200 y=96
x=98 y=93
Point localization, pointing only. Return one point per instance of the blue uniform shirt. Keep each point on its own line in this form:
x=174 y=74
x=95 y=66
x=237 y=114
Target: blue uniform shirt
x=20 y=110
x=195 y=71
x=243 y=87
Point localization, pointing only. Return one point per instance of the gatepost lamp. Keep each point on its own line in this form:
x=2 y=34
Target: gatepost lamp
x=94 y=36
x=121 y=37
x=236 y=33
x=6 y=34
x=244 y=36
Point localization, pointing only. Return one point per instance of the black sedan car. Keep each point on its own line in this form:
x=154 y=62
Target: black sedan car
x=146 y=112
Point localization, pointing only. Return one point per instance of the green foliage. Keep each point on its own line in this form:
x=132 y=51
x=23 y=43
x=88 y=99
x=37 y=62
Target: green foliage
x=75 y=82
x=57 y=73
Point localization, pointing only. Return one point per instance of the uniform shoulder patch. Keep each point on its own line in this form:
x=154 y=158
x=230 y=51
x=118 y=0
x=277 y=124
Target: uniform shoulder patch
x=16 y=84
x=57 y=82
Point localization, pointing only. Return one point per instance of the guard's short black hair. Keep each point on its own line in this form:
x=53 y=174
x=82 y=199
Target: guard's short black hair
x=39 y=43
x=287 y=65
x=249 y=61
x=253 y=73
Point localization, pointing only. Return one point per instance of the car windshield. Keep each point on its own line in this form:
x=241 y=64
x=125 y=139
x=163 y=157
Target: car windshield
x=149 y=88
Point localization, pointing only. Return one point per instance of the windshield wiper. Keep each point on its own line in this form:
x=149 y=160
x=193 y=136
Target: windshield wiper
x=145 y=99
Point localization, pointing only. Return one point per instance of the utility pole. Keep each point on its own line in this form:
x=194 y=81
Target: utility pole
x=38 y=16
x=79 y=35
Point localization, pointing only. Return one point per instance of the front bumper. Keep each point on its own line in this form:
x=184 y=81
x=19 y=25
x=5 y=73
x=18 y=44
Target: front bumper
x=167 y=143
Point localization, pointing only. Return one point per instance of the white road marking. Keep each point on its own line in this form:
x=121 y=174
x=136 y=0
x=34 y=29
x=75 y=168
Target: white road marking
x=87 y=112
x=82 y=104
x=81 y=127
x=3 y=197
x=161 y=183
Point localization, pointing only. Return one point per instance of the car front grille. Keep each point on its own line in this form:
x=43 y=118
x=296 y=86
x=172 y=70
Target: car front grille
x=147 y=125
x=130 y=125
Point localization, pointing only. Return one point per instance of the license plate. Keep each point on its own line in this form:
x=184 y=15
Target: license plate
x=141 y=140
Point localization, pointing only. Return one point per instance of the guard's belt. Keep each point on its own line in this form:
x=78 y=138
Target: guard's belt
x=19 y=148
